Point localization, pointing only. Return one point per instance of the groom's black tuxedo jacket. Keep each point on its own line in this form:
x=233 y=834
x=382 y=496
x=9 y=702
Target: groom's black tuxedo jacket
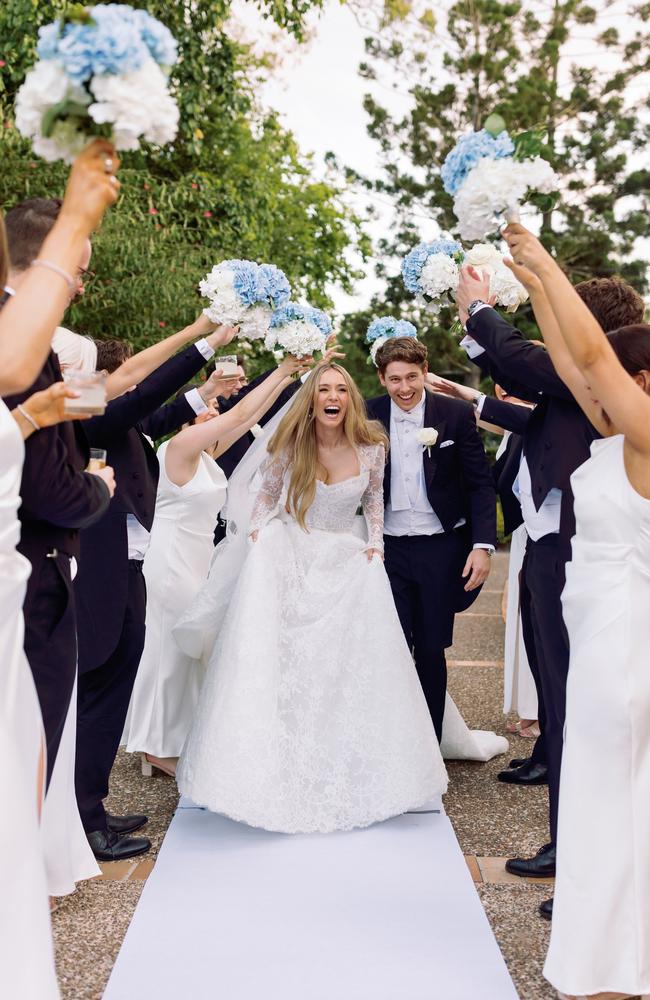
x=513 y=418
x=458 y=479
x=101 y=586
x=558 y=436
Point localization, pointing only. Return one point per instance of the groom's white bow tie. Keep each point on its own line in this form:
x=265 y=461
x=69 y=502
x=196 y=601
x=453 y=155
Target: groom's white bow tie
x=408 y=417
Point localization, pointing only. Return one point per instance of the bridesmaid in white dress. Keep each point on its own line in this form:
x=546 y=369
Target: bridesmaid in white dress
x=191 y=492
x=26 y=955
x=600 y=941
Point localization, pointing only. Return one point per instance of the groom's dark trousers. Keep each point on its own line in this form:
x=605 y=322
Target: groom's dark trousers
x=425 y=570
x=556 y=441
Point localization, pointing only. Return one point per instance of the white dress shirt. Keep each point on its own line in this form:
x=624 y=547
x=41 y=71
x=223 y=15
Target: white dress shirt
x=546 y=520
x=409 y=512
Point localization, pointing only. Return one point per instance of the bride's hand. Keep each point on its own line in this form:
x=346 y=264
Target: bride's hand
x=371 y=553
x=253 y=536
x=290 y=365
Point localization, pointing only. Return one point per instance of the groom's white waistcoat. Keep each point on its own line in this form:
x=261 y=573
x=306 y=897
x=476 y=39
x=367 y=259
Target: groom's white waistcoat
x=409 y=511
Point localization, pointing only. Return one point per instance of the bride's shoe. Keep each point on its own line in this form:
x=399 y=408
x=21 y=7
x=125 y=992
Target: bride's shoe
x=165 y=764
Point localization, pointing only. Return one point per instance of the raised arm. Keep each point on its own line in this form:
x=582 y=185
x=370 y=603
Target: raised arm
x=625 y=402
x=142 y=364
x=185 y=449
x=30 y=317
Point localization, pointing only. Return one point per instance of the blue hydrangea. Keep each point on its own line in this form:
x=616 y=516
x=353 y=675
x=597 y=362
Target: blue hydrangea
x=417 y=257
x=162 y=45
x=291 y=312
x=119 y=41
x=246 y=281
x=468 y=151
x=388 y=326
x=275 y=284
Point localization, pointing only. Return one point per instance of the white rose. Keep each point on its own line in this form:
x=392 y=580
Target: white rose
x=427 y=437
x=257 y=431
x=483 y=255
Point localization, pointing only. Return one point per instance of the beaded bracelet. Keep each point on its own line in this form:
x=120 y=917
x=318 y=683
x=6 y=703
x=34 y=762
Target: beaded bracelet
x=28 y=417
x=51 y=266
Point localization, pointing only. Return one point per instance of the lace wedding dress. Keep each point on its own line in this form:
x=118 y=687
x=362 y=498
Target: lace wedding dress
x=311 y=717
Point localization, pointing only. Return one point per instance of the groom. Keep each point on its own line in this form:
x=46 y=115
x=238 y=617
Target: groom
x=440 y=510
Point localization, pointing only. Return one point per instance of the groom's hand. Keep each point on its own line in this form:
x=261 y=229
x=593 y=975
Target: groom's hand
x=477 y=568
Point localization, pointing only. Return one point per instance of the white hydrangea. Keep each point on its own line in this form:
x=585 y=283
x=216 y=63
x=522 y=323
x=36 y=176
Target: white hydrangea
x=45 y=86
x=255 y=322
x=495 y=187
x=225 y=304
x=376 y=344
x=297 y=338
x=439 y=275
x=137 y=104
x=508 y=291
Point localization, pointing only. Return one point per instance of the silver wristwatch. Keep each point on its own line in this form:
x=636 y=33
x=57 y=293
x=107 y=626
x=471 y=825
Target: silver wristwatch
x=473 y=306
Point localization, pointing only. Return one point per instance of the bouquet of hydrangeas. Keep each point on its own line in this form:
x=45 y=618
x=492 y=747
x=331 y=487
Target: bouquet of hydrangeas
x=243 y=293
x=385 y=327
x=506 y=289
x=102 y=71
x=431 y=271
x=298 y=329
x=490 y=175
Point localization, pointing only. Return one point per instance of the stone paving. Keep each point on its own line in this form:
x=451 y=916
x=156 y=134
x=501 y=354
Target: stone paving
x=492 y=822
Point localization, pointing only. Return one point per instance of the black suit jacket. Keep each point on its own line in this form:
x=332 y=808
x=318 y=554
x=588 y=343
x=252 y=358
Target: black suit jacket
x=458 y=479
x=558 y=435
x=57 y=496
x=513 y=418
x=101 y=586
x=231 y=458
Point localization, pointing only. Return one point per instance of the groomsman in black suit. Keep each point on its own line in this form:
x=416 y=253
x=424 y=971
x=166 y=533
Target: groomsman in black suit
x=440 y=517
x=110 y=587
x=556 y=441
x=58 y=499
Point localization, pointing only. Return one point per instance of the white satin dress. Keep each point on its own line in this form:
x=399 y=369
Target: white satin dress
x=600 y=938
x=311 y=717
x=176 y=565
x=26 y=954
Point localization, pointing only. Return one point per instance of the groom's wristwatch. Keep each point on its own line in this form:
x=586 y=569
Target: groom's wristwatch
x=475 y=306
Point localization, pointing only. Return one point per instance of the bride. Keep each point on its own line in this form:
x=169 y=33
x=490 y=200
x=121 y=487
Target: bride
x=311 y=717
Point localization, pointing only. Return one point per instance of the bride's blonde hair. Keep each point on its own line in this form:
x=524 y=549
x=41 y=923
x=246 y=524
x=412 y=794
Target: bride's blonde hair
x=296 y=437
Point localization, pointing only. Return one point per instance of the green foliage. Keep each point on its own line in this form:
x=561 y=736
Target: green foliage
x=486 y=58
x=234 y=184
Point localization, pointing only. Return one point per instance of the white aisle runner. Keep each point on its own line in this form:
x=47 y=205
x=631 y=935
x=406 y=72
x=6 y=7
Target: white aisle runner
x=234 y=913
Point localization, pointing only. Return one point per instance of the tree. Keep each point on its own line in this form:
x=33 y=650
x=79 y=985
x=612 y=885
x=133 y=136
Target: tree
x=510 y=57
x=234 y=184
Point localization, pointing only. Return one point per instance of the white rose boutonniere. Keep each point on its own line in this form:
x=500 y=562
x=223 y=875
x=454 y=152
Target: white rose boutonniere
x=427 y=437
x=257 y=431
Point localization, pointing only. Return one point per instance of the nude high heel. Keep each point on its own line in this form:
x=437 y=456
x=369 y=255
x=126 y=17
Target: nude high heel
x=167 y=765
x=147 y=768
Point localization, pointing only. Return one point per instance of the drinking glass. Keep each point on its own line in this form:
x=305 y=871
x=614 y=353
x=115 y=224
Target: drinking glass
x=91 y=390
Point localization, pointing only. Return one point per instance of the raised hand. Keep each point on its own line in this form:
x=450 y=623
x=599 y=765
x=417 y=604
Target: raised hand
x=472 y=285
x=216 y=334
x=215 y=384
x=528 y=278
x=526 y=249
x=448 y=388
x=333 y=351
x=92 y=185
x=290 y=365
x=47 y=407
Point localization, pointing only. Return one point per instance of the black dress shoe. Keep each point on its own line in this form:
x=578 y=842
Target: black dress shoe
x=109 y=846
x=526 y=774
x=546 y=909
x=519 y=762
x=541 y=866
x=125 y=824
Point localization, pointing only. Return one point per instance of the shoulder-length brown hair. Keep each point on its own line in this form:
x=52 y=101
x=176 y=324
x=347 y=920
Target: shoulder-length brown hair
x=296 y=438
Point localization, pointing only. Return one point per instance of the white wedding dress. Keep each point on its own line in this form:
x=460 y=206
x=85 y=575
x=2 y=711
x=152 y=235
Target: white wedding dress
x=168 y=682
x=600 y=938
x=26 y=955
x=311 y=716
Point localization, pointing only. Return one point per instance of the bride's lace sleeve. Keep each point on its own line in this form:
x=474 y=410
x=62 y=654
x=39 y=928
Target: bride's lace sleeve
x=269 y=493
x=372 y=500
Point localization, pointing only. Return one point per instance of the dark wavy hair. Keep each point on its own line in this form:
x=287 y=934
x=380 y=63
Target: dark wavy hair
x=407 y=349
x=632 y=347
x=612 y=301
